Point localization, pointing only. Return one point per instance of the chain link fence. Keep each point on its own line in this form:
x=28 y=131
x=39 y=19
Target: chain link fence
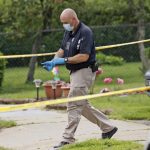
x=15 y=76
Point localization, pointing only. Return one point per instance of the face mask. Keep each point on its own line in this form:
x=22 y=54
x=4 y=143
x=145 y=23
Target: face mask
x=68 y=27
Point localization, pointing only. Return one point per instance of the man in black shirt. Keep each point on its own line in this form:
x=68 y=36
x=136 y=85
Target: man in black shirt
x=77 y=52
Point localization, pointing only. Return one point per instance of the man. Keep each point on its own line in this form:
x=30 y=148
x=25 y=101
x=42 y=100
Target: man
x=78 y=52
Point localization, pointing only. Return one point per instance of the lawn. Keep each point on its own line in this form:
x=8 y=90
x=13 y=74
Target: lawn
x=2 y=148
x=135 y=106
x=7 y=124
x=14 y=80
x=96 y=144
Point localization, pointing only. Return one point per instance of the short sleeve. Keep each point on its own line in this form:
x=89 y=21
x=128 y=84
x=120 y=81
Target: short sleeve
x=86 y=42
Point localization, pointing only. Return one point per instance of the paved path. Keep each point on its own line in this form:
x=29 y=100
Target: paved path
x=40 y=130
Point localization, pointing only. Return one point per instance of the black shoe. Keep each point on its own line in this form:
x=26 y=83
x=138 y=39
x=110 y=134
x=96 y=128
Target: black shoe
x=61 y=144
x=109 y=134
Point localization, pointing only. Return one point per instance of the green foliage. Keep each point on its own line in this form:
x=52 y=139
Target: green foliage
x=24 y=16
x=2 y=67
x=115 y=12
x=101 y=58
x=28 y=14
x=114 y=60
x=22 y=20
x=111 y=60
x=96 y=144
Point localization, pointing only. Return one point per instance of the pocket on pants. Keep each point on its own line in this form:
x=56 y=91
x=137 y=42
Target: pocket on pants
x=77 y=91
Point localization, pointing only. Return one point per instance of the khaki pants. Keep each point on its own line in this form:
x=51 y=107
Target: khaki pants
x=81 y=82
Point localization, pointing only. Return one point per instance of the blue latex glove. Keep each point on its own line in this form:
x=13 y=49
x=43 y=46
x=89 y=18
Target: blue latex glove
x=48 y=65
x=59 y=61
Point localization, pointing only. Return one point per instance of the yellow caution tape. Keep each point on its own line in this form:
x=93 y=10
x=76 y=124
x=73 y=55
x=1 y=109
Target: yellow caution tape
x=97 y=48
x=71 y=99
x=123 y=44
x=27 y=55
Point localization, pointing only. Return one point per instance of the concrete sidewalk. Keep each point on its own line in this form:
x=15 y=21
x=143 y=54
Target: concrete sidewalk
x=41 y=130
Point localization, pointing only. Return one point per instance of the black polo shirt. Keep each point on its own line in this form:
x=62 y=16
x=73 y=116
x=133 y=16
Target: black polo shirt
x=79 y=42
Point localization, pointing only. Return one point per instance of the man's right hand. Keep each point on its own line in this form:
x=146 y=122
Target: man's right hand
x=48 y=65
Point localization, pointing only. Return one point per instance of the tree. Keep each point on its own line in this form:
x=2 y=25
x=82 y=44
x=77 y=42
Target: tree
x=141 y=36
x=47 y=16
x=140 y=9
x=122 y=12
x=24 y=16
x=46 y=24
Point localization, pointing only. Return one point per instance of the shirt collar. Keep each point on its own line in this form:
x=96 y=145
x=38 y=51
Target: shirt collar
x=74 y=33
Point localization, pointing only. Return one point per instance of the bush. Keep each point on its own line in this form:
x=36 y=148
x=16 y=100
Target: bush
x=101 y=58
x=111 y=60
x=114 y=60
x=2 y=67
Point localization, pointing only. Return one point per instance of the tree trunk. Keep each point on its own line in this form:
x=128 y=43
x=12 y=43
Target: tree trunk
x=141 y=36
x=47 y=16
x=33 y=60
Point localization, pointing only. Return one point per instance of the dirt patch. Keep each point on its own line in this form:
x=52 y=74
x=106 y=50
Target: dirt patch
x=20 y=101
x=56 y=107
x=24 y=101
x=15 y=101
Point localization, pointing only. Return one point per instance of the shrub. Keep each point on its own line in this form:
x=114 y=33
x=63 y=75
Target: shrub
x=111 y=60
x=114 y=60
x=101 y=58
x=2 y=67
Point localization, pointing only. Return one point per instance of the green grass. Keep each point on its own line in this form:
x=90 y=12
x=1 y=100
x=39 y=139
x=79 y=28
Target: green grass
x=7 y=124
x=129 y=72
x=14 y=80
x=134 y=106
x=2 y=148
x=96 y=144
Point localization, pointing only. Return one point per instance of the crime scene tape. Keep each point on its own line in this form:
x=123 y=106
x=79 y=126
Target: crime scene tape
x=27 y=55
x=123 y=44
x=97 y=49
x=70 y=99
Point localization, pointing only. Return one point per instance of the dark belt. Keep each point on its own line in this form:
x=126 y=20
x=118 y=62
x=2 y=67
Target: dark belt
x=89 y=66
